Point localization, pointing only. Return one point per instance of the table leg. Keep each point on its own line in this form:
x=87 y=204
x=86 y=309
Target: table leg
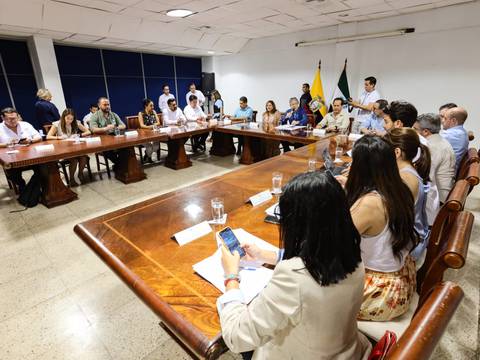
x=222 y=144
x=128 y=169
x=177 y=157
x=247 y=156
x=54 y=191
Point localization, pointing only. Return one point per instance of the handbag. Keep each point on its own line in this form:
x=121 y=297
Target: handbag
x=383 y=346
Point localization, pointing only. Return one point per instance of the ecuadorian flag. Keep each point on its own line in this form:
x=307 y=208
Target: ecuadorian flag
x=316 y=91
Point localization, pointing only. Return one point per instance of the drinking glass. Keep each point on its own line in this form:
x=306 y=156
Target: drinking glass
x=312 y=165
x=309 y=128
x=338 y=154
x=277 y=182
x=155 y=128
x=76 y=137
x=12 y=143
x=117 y=131
x=218 y=209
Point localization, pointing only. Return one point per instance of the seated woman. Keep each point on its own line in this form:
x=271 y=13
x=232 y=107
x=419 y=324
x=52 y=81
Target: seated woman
x=270 y=120
x=413 y=160
x=67 y=127
x=310 y=305
x=382 y=210
x=147 y=119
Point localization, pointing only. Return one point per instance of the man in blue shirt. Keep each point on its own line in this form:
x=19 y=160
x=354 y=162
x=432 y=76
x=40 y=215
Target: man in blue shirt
x=454 y=132
x=244 y=112
x=296 y=116
x=374 y=123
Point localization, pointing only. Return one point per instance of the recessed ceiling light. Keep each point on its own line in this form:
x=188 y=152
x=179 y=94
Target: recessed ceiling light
x=211 y=52
x=179 y=13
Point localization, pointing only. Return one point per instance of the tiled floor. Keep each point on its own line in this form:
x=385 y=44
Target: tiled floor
x=59 y=301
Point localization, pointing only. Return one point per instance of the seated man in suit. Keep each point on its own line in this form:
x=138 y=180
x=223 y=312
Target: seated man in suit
x=337 y=120
x=12 y=132
x=172 y=115
x=293 y=116
x=104 y=121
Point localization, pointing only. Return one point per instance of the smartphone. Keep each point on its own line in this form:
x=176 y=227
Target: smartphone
x=231 y=241
x=272 y=219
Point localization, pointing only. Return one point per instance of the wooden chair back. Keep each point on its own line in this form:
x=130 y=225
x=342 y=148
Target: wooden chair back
x=47 y=128
x=473 y=174
x=451 y=254
x=470 y=157
x=429 y=323
x=132 y=122
x=442 y=225
x=311 y=120
x=254 y=116
x=350 y=125
x=160 y=118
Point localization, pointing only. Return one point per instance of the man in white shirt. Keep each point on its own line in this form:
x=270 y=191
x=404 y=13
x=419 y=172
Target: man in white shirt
x=194 y=113
x=172 y=115
x=13 y=132
x=365 y=104
x=163 y=99
x=86 y=118
x=197 y=93
x=337 y=120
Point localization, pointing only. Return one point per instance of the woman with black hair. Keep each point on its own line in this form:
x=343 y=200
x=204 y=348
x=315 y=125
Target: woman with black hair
x=382 y=211
x=309 y=307
x=147 y=119
x=413 y=160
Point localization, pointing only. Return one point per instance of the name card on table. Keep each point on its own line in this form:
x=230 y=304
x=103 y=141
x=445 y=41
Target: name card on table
x=43 y=148
x=12 y=151
x=131 y=133
x=319 y=132
x=194 y=232
x=260 y=198
x=354 y=137
x=227 y=122
x=92 y=140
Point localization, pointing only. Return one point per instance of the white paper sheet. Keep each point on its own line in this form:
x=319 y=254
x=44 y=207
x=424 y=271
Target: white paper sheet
x=289 y=127
x=194 y=232
x=95 y=139
x=260 y=197
x=254 y=279
x=319 y=132
x=354 y=137
x=42 y=148
x=131 y=133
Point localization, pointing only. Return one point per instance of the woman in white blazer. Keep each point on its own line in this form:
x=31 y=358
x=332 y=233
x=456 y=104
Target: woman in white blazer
x=309 y=308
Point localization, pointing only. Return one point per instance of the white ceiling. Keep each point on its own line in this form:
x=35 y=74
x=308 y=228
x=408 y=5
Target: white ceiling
x=219 y=26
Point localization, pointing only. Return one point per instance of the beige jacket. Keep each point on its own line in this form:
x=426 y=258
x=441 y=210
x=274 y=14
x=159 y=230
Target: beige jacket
x=442 y=170
x=296 y=318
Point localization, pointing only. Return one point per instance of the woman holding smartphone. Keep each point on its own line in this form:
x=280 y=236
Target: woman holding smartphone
x=310 y=306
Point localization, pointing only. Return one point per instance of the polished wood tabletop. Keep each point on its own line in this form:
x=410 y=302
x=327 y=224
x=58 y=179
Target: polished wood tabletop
x=136 y=243
x=65 y=149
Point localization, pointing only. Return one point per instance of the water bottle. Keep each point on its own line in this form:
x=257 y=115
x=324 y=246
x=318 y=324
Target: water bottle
x=42 y=135
x=116 y=131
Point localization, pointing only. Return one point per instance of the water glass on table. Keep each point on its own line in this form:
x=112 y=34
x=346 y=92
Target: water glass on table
x=338 y=154
x=277 y=182
x=76 y=138
x=218 y=209
x=312 y=165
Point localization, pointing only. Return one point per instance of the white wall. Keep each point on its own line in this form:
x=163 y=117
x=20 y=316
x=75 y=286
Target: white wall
x=438 y=63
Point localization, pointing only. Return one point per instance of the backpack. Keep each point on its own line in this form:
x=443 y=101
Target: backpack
x=30 y=196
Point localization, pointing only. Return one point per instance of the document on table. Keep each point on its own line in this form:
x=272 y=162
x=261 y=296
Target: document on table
x=194 y=232
x=254 y=279
x=289 y=127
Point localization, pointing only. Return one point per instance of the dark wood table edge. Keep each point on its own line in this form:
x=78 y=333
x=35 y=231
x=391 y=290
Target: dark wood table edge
x=177 y=325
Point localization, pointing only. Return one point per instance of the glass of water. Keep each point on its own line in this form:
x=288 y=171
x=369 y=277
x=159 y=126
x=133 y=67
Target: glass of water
x=312 y=165
x=218 y=209
x=117 y=131
x=12 y=143
x=338 y=154
x=277 y=182
x=76 y=137
x=309 y=128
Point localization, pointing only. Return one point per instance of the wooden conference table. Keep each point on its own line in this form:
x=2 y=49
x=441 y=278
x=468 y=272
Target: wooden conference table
x=252 y=137
x=136 y=243
x=54 y=191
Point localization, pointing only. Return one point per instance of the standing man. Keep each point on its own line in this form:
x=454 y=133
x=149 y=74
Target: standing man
x=45 y=111
x=13 y=132
x=163 y=99
x=199 y=95
x=194 y=113
x=105 y=121
x=455 y=133
x=306 y=98
x=365 y=104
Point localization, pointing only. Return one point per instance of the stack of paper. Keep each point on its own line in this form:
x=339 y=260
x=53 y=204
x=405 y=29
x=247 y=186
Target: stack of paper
x=254 y=279
x=289 y=127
